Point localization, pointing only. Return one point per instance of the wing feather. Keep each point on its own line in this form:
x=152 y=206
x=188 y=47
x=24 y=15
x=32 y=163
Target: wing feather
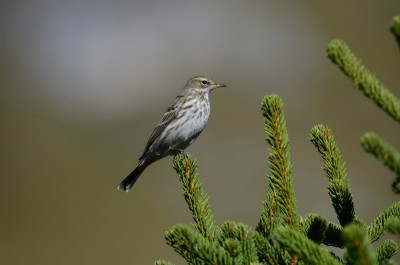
x=168 y=116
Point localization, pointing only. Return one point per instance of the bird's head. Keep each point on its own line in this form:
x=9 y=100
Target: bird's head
x=202 y=83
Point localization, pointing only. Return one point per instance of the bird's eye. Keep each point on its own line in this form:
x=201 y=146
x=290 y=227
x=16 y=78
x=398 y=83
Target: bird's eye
x=204 y=82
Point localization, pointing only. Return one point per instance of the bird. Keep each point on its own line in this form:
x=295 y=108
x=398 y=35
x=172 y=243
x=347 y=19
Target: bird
x=181 y=124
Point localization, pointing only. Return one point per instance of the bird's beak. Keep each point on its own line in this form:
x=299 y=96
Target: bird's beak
x=218 y=85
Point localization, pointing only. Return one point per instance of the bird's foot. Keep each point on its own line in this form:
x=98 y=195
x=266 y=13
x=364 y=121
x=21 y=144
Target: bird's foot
x=179 y=151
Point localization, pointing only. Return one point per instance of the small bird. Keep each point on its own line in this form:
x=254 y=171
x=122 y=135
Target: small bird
x=180 y=125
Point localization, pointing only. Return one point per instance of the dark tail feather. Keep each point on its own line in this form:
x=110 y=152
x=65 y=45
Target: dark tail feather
x=128 y=182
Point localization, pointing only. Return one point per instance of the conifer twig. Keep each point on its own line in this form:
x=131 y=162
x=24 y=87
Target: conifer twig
x=395 y=28
x=308 y=251
x=163 y=262
x=195 y=197
x=333 y=236
x=280 y=197
x=269 y=216
x=363 y=79
x=386 y=251
x=242 y=241
x=338 y=186
x=389 y=156
x=195 y=248
x=268 y=253
x=393 y=225
x=357 y=249
x=375 y=145
x=379 y=225
x=314 y=227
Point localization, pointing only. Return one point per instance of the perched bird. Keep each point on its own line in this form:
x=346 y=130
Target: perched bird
x=180 y=125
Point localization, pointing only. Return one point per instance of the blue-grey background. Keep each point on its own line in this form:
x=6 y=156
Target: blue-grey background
x=83 y=83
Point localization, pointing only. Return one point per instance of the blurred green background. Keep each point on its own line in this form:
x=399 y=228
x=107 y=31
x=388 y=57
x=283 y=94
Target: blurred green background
x=83 y=83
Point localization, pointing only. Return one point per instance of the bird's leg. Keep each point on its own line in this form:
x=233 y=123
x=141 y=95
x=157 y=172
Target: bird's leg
x=179 y=151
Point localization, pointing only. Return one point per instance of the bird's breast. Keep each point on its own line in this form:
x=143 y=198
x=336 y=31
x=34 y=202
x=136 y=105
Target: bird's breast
x=197 y=117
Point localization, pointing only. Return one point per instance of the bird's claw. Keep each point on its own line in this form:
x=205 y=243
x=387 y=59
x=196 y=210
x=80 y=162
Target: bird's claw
x=181 y=152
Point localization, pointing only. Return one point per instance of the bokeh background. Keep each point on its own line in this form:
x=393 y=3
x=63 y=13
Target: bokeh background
x=83 y=83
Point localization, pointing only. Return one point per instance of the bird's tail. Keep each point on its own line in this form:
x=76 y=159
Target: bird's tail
x=128 y=182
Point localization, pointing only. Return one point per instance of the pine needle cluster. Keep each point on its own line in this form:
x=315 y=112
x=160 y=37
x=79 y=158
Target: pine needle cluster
x=282 y=236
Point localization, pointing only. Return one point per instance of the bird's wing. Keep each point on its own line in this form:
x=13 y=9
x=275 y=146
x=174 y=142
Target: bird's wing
x=168 y=116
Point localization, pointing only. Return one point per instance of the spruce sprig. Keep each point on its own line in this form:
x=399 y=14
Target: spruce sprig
x=379 y=225
x=357 y=248
x=268 y=252
x=280 y=197
x=363 y=79
x=242 y=237
x=195 y=197
x=393 y=225
x=308 y=251
x=334 y=166
x=395 y=28
x=333 y=236
x=375 y=145
x=314 y=227
x=387 y=154
x=163 y=262
x=386 y=251
x=195 y=248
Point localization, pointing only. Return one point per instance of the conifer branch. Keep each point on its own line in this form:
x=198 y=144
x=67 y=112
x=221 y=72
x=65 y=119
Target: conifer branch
x=396 y=185
x=238 y=239
x=195 y=197
x=338 y=186
x=333 y=236
x=314 y=227
x=163 y=262
x=195 y=248
x=395 y=28
x=389 y=156
x=280 y=197
x=379 y=226
x=270 y=216
x=375 y=145
x=357 y=249
x=307 y=251
x=234 y=230
x=386 y=251
x=363 y=79
x=393 y=225
x=267 y=253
